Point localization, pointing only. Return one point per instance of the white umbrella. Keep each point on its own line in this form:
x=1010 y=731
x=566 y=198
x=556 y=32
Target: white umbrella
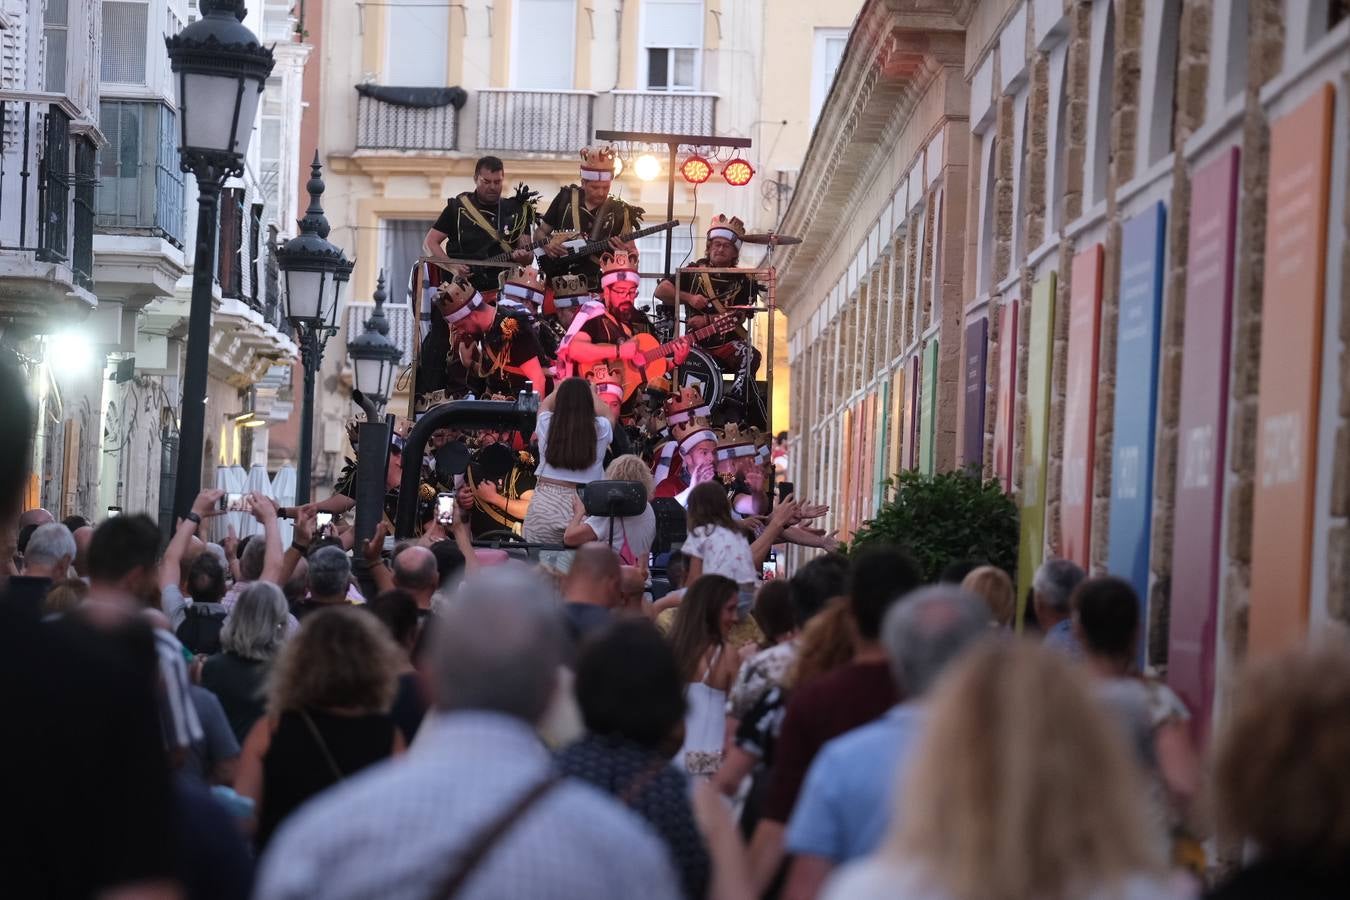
x=283 y=491
x=256 y=483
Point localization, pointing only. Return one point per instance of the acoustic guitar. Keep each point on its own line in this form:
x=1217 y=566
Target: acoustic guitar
x=652 y=362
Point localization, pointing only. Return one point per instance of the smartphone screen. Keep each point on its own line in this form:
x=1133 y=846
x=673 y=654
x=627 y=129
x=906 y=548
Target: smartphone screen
x=324 y=520
x=785 y=488
x=445 y=508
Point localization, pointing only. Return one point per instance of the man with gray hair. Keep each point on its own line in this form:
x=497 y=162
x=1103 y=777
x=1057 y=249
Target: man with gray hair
x=845 y=804
x=330 y=573
x=475 y=809
x=1051 y=589
x=50 y=552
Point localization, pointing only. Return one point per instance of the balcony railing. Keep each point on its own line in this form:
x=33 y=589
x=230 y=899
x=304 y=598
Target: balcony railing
x=534 y=121
x=139 y=185
x=36 y=177
x=384 y=125
x=665 y=113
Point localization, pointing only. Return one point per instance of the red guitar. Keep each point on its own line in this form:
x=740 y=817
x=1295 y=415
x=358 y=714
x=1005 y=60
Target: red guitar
x=652 y=361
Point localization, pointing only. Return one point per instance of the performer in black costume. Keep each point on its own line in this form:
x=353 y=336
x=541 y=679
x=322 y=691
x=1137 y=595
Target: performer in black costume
x=588 y=211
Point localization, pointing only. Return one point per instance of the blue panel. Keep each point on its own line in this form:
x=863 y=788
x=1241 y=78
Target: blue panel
x=1141 y=290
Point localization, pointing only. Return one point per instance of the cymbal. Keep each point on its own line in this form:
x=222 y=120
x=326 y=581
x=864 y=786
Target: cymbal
x=769 y=237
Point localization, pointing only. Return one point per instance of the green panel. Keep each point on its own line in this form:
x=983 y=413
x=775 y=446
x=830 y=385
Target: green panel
x=1032 y=499
x=928 y=408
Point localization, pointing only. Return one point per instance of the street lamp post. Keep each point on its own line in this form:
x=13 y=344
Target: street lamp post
x=374 y=356
x=221 y=69
x=315 y=273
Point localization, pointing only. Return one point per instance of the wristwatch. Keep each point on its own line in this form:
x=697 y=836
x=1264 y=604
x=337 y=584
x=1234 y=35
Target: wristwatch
x=193 y=518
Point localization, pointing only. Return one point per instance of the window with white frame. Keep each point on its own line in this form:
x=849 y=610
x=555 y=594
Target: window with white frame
x=672 y=39
x=269 y=139
x=652 y=256
x=55 y=33
x=400 y=247
x=1163 y=111
x=125 y=30
x=552 y=70
x=417 y=51
x=826 y=55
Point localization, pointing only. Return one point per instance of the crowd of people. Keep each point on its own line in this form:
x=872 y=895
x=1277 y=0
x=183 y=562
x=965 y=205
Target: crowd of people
x=339 y=719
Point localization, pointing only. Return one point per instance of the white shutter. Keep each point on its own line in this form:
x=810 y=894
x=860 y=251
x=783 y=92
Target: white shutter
x=417 y=51
x=13 y=54
x=550 y=68
x=672 y=23
x=125 y=27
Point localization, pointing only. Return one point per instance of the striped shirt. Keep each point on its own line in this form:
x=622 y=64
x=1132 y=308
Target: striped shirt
x=396 y=830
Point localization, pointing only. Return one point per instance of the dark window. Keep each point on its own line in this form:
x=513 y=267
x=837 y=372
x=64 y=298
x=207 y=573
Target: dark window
x=230 y=266
x=255 y=230
x=658 y=63
x=82 y=257
x=54 y=187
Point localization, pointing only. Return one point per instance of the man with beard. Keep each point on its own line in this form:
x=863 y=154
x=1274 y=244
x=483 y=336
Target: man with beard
x=705 y=294
x=697 y=446
x=496 y=348
x=607 y=335
x=481 y=223
x=592 y=213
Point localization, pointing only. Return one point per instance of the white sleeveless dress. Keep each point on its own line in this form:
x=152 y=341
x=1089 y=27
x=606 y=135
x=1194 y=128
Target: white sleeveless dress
x=704 y=726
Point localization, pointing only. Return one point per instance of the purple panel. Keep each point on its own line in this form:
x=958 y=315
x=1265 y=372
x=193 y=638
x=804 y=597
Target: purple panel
x=973 y=383
x=1201 y=430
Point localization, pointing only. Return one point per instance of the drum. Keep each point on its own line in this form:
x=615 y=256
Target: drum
x=702 y=371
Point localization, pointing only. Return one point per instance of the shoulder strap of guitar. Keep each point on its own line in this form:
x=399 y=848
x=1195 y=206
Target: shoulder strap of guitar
x=576 y=209
x=466 y=203
x=591 y=309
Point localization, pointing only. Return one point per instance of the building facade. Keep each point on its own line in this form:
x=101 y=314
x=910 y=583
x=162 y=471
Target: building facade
x=104 y=358
x=1120 y=287
x=411 y=95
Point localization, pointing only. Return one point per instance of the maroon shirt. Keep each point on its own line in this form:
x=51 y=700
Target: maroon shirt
x=819 y=711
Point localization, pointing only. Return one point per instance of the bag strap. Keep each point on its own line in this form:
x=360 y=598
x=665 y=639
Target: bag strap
x=489 y=836
x=576 y=210
x=466 y=204
x=338 y=774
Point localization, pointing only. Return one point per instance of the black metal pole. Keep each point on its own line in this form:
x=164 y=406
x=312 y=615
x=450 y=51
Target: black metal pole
x=311 y=356
x=670 y=211
x=192 y=423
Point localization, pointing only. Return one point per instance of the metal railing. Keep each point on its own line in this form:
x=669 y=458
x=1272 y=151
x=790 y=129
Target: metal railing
x=534 y=121
x=388 y=126
x=82 y=252
x=665 y=112
x=35 y=175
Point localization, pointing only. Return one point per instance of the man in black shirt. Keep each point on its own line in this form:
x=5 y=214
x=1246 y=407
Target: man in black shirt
x=591 y=213
x=497 y=348
x=481 y=224
x=503 y=484
x=706 y=294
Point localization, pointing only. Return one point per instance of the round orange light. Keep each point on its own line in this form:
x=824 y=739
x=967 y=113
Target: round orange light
x=696 y=170
x=738 y=173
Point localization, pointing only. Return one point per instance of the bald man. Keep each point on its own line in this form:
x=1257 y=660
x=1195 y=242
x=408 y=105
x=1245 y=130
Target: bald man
x=591 y=589
x=36 y=517
x=415 y=572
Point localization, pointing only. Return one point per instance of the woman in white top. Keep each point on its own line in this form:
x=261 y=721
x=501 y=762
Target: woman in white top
x=574 y=429
x=1021 y=788
x=707 y=664
x=630 y=536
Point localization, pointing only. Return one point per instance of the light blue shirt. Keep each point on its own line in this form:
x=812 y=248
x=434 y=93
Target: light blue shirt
x=845 y=805
x=1060 y=636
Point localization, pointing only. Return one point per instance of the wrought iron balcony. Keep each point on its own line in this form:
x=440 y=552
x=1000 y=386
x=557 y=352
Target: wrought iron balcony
x=399 y=118
x=534 y=121
x=665 y=112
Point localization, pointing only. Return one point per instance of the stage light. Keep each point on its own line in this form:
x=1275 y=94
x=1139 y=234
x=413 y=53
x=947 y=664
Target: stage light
x=738 y=172
x=647 y=167
x=696 y=170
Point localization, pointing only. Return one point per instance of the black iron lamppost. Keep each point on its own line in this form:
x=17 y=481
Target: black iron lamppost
x=374 y=356
x=315 y=273
x=221 y=70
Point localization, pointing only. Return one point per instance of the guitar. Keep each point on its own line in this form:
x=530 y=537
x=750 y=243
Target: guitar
x=579 y=246
x=652 y=364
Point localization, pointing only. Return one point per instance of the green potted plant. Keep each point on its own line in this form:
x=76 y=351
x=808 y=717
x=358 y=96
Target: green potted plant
x=944 y=518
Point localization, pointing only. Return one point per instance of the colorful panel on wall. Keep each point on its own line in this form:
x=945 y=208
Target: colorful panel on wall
x=912 y=416
x=844 y=494
x=1291 y=372
x=897 y=422
x=928 y=426
x=1031 y=545
x=1142 y=245
x=1005 y=411
x=973 y=375
x=1202 y=430
x=1080 y=405
x=881 y=429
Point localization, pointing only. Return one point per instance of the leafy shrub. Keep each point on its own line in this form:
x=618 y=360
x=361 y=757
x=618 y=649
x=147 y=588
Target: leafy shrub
x=945 y=518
